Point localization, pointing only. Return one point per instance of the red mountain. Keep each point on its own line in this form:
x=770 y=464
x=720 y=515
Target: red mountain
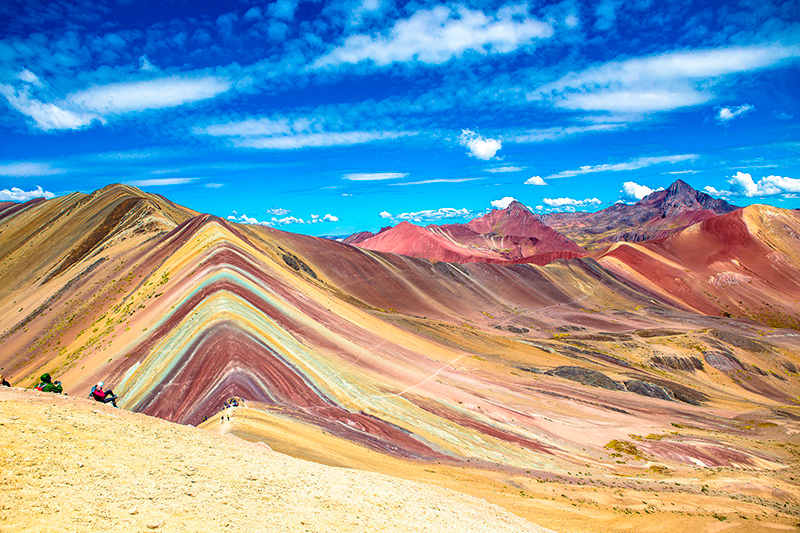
x=511 y=235
x=659 y=214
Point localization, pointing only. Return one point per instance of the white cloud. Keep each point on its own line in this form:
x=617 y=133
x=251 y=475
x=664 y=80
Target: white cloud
x=46 y=116
x=116 y=98
x=660 y=82
x=743 y=185
x=436 y=180
x=430 y=215
x=714 y=192
x=244 y=219
x=290 y=134
x=503 y=203
x=18 y=195
x=278 y=211
x=570 y=202
x=561 y=132
x=215 y=185
x=157 y=182
x=682 y=172
x=634 y=191
x=478 y=146
x=288 y=220
x=376 y=176
x=28 y=169
x=727 y=113
x=145 y=64
x=535 y=180
x=29 y=77
x=628 y=165
x=437 y=35
x=330 y=218
x=504 y=169
x=80 y=109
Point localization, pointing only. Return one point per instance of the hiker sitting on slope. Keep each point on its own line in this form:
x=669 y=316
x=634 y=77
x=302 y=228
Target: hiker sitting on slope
x=3 y=382
x=47 y=386
x=98 y=394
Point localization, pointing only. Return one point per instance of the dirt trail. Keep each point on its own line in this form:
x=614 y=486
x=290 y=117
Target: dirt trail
x=69 y=464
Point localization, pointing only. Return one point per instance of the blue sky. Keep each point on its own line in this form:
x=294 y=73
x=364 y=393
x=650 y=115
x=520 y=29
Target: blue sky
x=332 y=117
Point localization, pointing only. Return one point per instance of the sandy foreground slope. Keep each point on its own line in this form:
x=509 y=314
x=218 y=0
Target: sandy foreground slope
x=68 y=464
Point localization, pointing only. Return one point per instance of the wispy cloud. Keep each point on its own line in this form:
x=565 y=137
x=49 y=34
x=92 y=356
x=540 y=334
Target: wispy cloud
x=282 y=133
x=439 y=34
x=160 y=93
x=158 y=182
x=28 y=169
x=504 y=169
x=436 y=180
x=97 y=103
x=562 y=132
x=628 y=165
x=16 y=194
x=375 y=176
x=660 y=82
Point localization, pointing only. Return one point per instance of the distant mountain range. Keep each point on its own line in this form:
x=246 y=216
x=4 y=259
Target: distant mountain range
x=511 y=235
x=659 y=214
x=516 y=235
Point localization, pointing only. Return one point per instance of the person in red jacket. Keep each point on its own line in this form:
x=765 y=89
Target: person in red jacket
x=98 y=394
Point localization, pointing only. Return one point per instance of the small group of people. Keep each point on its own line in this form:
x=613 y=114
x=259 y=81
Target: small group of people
x=48 y=385
x=227 y=408
x=233 y=402
x=3 y=382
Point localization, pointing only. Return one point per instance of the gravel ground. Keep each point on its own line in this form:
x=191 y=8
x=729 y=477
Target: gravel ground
x=73 y=465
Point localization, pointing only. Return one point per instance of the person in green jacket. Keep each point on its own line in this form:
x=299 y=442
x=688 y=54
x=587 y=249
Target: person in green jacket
x=47 y=386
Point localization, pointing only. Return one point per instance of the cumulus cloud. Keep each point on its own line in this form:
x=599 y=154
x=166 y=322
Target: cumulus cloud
x=503 y=203
x=478 y=146
x=244 y=219
x=628 y=165
x=16 y=194
x=535 y=180
x=439 y=34
x=634 y=191
x=430 y=215
x=742 y=184
x=283 y=220
x=570 y=204
x=375 y=176
x=726 y=114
